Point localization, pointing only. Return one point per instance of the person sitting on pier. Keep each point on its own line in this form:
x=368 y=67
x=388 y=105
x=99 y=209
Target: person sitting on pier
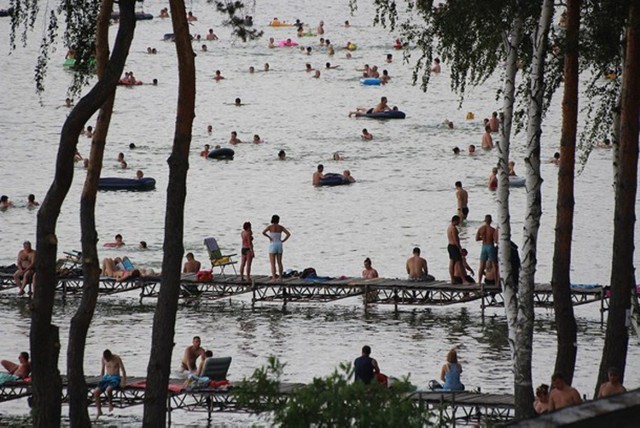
x=450 y=373
x=197 y=377
x=26 y=263
x=612 y=387
x=191 y=265
x=22 y=370
x=417 y=268
x=562 y=395
x=365 y=367
x=191 y=354
x=112 y=365
x=369 y=272
x=466 y=268
x=541 y=404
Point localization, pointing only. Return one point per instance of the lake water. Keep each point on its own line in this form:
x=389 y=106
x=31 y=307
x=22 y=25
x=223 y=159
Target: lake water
x=404 y=197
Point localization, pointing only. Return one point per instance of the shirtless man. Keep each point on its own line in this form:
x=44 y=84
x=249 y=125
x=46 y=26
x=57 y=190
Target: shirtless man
x=562 y=394
x=493 y=179
x=612 y=387
x=382 y=106
x=26 y=263
x=234 y=138
x=455 y=251
x=494 y=123
x=487 y=141
x=191 y=265
x=205 y=151
x=369 y=272
x=463 y=200
x=417 y=267
x=488 y=235
x=318 y=175
x=211 y=35
x=191 y=354
x=111 y=367
x=22 y=370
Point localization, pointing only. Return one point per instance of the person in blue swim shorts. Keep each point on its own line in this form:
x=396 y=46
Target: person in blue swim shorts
x=112 y=366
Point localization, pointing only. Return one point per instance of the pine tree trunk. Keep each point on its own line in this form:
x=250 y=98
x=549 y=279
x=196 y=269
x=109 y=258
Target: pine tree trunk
x=77 y=390
x=508 y=280
x=616 y=341
x=165 y=316
x=523 y=388
x=567 y=329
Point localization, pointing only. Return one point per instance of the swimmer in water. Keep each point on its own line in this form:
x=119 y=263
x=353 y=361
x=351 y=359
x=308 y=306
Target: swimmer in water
x=205 y=152
x=211 y=35
x=308 y=68
x=316 y=75
x=218 y=76
x=366 y=135
x=272 y=43
x=257 y=140
x=234 y=138
x=252 y=69
x=328 y=66
x=282 y=155
x=238 y=102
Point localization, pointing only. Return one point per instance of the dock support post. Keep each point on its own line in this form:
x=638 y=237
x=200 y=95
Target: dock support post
x=168 y=410
x=482 y=300
x=602 y=308
x=253 y=293
x=395 y=299
x=365 y=298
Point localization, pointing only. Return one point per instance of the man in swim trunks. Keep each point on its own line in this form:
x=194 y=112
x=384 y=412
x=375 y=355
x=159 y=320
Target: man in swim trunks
x=191 y=354
x=318 y=175
x=26 y=263
x=20 y=370
x=488 y=235
x=191 y=265
x=111 y=367
x=463 y=198
x=417 y=268
x=487 y=141
x=455 y=252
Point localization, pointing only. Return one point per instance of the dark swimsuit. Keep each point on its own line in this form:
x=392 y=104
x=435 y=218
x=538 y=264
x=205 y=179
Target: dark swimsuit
x=454 y=253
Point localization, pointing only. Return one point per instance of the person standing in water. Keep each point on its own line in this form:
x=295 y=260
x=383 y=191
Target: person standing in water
x=274 y=232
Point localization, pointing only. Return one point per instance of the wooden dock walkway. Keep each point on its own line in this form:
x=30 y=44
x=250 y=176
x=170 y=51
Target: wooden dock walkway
x=450 y=406
x=385 y=291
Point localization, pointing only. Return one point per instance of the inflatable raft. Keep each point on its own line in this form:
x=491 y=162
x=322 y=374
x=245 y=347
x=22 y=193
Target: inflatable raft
x=333 y=179
x=287 y=43
x=6 y=12
x=515 y=181
x=133 y=184
x=124 y=82
x=370 y=81
x=223 y=153
x=140 y=16
x=276 y=23
x=391 y=114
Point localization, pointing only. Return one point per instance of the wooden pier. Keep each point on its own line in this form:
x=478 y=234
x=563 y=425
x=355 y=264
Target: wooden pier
x=385 y=291
x=449 y=406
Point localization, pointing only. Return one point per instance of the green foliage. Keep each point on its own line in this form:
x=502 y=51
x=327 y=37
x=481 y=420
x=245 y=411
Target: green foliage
x=237 y=23
x=331 y=401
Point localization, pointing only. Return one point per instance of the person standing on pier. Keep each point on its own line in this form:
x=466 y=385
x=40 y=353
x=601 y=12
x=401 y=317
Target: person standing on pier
x=455 y=252
x=365 y=367
x=246 y=253
x=489 y=253
x=274 y=232
x=111 y=367
x=562 y=394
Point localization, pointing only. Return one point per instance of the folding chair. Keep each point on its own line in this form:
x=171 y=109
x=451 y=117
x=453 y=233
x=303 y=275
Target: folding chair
x=216 y=368
x=218 y=260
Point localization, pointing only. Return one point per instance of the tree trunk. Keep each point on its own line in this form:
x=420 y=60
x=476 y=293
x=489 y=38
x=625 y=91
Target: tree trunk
x=523 y=388
x=616 y=341
x=566 y=328
x=165 y=316
x=77 y=390
x=509 y=282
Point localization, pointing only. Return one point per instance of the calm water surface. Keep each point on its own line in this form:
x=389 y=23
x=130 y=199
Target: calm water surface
x=404 y=197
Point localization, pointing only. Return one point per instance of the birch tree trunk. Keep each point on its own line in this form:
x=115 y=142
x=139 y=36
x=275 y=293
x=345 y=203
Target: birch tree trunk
x=616 y=341
x=524 y=326
x=77 y=390
x=509 y=282
x=44 y=336
x=155 y=411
